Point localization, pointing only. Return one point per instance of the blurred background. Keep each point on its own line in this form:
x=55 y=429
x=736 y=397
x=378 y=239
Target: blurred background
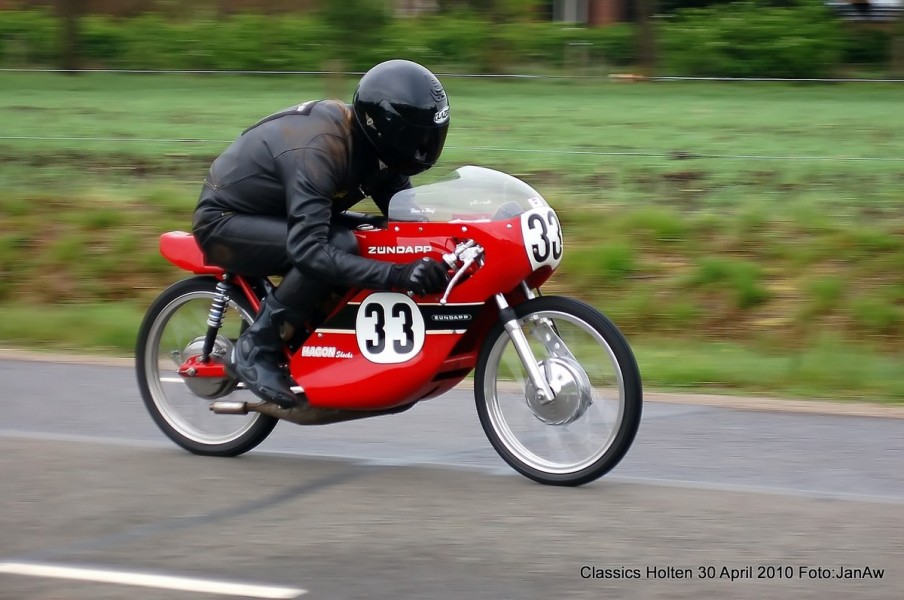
x=729 y=174
x=758 y=38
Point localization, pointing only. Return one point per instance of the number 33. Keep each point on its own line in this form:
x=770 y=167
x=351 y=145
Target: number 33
x=542 y=237
x=389 y=328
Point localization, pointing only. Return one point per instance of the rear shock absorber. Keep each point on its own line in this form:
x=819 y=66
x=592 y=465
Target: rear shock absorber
x=215 y=317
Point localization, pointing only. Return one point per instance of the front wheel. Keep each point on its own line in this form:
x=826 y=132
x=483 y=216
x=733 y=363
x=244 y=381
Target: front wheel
x=588 y=427
x=173 y=331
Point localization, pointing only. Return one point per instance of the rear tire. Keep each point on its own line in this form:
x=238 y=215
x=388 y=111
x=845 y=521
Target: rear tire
x=170 y=332
x=590 y=425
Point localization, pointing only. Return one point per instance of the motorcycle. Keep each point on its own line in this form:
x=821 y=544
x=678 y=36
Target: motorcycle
x=557 y=388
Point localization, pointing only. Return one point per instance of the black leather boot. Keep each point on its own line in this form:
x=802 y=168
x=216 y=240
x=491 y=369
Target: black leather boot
x=259 y=354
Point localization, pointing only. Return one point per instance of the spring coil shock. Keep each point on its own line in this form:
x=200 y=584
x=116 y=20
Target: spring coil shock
x=218 y=306
x=215 y=317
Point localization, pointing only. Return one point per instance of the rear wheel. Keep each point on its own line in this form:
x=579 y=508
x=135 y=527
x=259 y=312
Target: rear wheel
x=587 y=429
x=173 y=330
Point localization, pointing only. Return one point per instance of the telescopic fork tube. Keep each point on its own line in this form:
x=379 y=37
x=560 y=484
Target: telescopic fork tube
x=468 y=253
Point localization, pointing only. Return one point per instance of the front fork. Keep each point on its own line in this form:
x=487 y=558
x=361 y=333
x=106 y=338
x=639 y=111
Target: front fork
x=465 y=255
x=545 y=395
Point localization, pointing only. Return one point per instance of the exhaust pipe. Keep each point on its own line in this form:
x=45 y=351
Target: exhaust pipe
x=303 y=414
x=226 y=407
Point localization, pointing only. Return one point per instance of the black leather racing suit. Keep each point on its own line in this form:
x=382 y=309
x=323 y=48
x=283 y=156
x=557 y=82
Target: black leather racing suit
x=272 y=200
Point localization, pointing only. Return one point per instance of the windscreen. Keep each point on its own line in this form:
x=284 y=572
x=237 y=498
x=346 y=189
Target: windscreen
x=468 y=194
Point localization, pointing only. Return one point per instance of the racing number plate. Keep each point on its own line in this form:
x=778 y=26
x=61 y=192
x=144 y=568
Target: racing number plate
x=542 y=237
x=390 y=328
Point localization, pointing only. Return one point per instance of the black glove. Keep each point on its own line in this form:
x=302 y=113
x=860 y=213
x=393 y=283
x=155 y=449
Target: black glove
x=423 y=276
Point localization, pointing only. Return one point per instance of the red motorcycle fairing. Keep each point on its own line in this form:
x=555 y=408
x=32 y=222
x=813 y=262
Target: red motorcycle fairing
x=377 y=365
x=379 y=350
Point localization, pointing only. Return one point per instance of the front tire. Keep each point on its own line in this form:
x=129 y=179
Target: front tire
x=589 y=426
x=173 y=330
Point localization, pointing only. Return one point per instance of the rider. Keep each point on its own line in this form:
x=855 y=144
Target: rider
x=275 y=202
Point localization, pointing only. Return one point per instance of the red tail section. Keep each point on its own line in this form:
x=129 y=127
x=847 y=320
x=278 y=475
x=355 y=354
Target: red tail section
x=182 y=250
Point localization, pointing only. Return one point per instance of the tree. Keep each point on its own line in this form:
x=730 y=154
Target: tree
x=671 y=6
x=647 y=37
x=897 y=48
x=497 y=10
x=68 y=11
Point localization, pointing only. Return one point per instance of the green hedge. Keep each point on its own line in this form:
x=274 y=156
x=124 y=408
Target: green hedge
x=28 y=38
x=256 y=42
x=866 y=44
x=754 y=39
x=741 y=39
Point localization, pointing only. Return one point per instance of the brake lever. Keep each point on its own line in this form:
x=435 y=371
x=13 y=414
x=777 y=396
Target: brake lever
x=468 y=253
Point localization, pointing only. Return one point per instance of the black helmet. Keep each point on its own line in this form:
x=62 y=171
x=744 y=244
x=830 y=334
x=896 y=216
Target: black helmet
x=403 y=111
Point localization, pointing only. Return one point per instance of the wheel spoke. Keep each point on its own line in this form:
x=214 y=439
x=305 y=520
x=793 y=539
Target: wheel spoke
x=181 y=405
x=575 y=437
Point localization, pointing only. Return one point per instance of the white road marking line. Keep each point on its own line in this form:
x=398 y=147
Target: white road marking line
x=186 y=584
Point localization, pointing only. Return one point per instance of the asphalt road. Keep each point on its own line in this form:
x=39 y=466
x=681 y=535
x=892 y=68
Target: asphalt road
x=710 y=502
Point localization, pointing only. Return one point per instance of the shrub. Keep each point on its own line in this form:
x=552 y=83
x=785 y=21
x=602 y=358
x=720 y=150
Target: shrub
x=824 y=294
x=556 y=45
x=655 y=225
x=752 y=39
x=866 y=45
x=29 y=37
x=603 y=265
x=876 y=313
x=613 y=45
x=741 y=278
x=353 y=30
x=455 y=40
x=102 y=42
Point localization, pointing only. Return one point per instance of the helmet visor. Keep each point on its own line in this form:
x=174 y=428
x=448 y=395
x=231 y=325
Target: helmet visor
x=415 y=149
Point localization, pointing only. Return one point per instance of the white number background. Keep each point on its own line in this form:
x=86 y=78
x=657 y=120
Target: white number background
x=389 y=328
x=542 y=237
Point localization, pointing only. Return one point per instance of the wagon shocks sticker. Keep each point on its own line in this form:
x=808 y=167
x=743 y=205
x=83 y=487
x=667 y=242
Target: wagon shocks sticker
x=324 y=352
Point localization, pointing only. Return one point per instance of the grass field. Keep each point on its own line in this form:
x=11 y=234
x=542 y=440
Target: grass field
x=747 y=237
